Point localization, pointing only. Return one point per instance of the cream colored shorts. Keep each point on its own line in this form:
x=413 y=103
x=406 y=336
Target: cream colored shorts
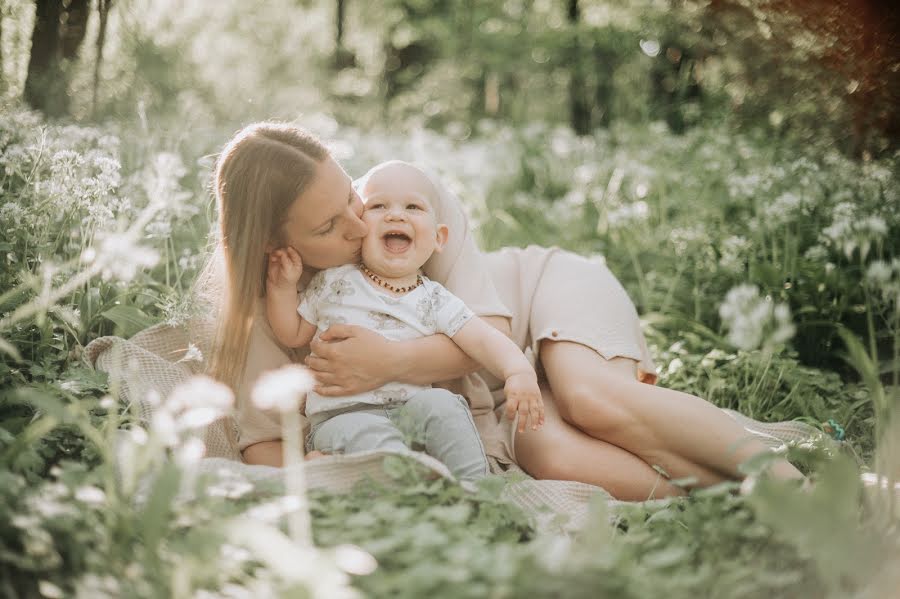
x=555 y=294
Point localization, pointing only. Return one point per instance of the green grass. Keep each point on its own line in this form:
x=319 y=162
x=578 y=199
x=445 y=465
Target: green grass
x=749 y=213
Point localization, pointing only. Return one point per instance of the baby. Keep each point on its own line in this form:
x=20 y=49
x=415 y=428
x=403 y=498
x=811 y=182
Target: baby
x=387 y=294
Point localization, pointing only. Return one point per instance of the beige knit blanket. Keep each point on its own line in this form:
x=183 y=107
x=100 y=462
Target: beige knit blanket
x=157 y=360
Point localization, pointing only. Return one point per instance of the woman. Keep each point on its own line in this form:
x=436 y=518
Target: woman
x=606 y=423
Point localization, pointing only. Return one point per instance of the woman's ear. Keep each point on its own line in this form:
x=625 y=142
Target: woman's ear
x=442 y=233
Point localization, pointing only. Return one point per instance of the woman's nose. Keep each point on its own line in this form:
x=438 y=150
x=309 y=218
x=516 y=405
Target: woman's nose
x=357 y=229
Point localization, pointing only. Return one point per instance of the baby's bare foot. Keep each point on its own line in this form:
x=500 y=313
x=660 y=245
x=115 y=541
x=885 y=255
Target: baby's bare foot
x=313 y=455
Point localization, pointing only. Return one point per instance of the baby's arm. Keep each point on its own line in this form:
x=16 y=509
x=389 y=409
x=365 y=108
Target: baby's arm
x=283 y=273
x=496 y=352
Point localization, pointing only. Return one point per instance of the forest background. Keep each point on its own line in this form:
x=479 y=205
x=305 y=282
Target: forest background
x=734 y=161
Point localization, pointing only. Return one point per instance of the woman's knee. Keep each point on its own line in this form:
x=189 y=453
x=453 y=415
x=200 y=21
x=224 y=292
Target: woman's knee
x=593 y=405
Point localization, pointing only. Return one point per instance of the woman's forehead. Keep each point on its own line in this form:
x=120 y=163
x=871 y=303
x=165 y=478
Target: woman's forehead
x=325 y=197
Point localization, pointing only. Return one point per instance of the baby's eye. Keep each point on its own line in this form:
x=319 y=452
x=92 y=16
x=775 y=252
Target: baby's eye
x=413 y=207
x=372 y=206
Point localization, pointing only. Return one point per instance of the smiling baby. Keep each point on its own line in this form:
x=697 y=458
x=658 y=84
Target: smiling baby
x=387 y=293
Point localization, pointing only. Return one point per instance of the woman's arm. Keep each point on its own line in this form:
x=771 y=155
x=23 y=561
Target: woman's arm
x=351 y=359
x=265 y=453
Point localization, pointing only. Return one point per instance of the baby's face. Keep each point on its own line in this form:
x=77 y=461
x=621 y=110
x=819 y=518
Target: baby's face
x=403 y=231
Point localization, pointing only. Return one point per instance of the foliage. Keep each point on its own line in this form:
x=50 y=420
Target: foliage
x=764 y=261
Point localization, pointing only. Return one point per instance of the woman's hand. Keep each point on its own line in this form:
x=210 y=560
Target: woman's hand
x=350 y=359
x=284 y=269
x=524 y=396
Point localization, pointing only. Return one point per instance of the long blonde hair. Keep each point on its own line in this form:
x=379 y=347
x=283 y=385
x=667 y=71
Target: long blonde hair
x=259 y=174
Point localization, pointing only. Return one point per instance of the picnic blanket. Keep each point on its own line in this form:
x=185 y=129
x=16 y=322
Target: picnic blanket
x=157 y=360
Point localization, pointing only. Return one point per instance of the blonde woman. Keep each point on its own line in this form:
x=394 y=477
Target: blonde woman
x=606 y=422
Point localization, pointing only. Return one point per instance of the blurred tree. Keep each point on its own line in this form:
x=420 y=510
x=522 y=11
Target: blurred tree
x=408 y=49
x=2 y=69
x=816 y=68
x=580 y=111
x=59 y=30
x=103 y=7
x=342 y=58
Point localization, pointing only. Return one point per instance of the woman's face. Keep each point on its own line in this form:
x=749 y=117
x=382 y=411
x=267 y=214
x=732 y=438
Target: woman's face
x=324 y=223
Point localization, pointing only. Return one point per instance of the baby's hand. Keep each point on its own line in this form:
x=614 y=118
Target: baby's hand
x=284 y=268
x=524 y=396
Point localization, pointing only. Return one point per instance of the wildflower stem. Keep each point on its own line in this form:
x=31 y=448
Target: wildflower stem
x=295 y=482
x=636 y=264
x=870 y=322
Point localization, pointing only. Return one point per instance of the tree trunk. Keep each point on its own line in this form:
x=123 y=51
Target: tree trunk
x=59 y=29
x=103 y=7
x=340 y=10
x=74 y=26
x=343 y=58
x=605 y=63
x=45 y=88
x=2 y=69
x=578 y=106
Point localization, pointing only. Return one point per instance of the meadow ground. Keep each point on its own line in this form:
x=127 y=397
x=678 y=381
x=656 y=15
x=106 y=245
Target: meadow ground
x=767 y=278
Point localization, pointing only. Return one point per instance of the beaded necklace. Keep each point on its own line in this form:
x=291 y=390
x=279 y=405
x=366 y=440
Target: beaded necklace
x=387 y=285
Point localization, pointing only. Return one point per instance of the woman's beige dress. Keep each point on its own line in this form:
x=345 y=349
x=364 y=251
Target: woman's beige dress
x=548 y=293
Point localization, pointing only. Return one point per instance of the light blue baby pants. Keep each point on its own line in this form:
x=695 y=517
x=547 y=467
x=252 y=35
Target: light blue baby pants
x=435 y=420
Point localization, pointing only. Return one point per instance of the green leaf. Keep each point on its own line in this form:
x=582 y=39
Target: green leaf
x=159 y=505
x=128 y=319
x=10 y=349
x=665 y=558
x=858 y=357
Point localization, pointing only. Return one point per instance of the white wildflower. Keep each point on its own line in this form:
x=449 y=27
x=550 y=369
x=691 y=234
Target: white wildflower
x=121 y=257
x=49 y=590
x=783 y=209
x=282 y=389
x=12 y=214
x=159 y=228
x=161 y=179
x=734 y=253
x=354 y=560
x=138 y=435
x=650 y=47
x=198 y=402
x=193 y=354
x=685 y=238
x=879 y=272
x=627 y=214
x=230 y=488
x=849 y=230
x=272 y=511
x=816 y=253
x=163 y=427
x=92 y=586
x=190 y=452
x=886 y=278
x=585 y=174
x=753 y=321
x=90 y=494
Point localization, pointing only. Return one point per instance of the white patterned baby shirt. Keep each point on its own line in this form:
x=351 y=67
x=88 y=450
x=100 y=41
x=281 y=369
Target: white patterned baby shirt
x=343 y=295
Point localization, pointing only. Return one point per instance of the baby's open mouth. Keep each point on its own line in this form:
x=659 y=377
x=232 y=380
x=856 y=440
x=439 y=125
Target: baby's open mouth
x=397 y=242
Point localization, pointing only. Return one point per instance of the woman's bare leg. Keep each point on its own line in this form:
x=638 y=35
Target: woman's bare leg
x=683 y=434
x=559 y=451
